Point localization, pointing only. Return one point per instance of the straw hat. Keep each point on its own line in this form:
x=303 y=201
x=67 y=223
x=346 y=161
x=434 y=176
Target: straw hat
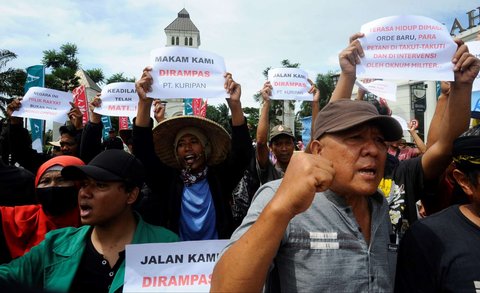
x=55 y=143
x=164 y=138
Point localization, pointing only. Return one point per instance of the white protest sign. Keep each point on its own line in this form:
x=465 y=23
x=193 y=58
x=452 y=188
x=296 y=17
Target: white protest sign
x=289 y=84
x=406 y=47
x=119 y=99
x=180 y=72
x=171 y=267
x=380 y=88
x=474 y=48
x=46 y=104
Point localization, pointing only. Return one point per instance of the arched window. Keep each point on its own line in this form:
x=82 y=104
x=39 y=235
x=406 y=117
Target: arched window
x=186 y=41
x=177 y=41
x=173 y=40
x=191 y=41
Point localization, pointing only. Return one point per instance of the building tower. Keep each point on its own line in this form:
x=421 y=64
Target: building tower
x=181 y=32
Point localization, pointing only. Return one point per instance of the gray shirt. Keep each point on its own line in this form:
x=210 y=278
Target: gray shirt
x=323 y=249
x=269 y=173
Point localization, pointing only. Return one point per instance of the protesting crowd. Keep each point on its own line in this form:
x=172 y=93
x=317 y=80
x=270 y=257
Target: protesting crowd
x=360 y=209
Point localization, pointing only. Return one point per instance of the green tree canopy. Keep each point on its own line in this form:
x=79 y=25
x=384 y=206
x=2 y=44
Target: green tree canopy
x=326 y=86
x=11 y=80
x=96 y=74
x=119 y=77
x=64 y=64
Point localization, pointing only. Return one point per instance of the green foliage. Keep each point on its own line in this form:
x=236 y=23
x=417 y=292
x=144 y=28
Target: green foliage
x=220 y=115
x=96 y=74
x=11 y=80
x=326 y=86
x=252 y=114
x=64 y=64
x=118 y=77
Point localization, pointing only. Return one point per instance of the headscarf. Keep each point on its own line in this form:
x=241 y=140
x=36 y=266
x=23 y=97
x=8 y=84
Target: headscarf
x=26 y=226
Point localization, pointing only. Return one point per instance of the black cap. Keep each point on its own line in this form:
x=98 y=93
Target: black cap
x=109 y=165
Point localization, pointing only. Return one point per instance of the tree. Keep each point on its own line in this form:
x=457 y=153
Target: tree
x=96 y=74
x=11 y=80
x=252 y=115
x=64 y=65
x=118 y=77
x=326 y=86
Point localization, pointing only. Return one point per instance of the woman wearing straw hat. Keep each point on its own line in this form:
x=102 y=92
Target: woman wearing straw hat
x=193 y=166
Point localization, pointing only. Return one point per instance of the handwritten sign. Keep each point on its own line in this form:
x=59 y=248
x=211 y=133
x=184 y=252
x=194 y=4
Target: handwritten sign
x=380 y=88
x=119 y=99
x=406 y=47
x=46 y=104
x=171 y=267
x=474 y=48
x=180 y=72
x=289 y=84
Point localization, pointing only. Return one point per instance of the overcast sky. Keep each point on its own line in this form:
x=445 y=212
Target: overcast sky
x=118 y=35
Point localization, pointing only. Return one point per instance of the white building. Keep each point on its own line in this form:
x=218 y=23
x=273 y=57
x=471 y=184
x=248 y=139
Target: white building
x=181 y=32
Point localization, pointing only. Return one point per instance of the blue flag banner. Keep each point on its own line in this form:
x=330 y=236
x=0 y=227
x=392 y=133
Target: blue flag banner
x=107 y=125
x=36 y=77
x=306 y=125
x=475 y=105
x=188 y=108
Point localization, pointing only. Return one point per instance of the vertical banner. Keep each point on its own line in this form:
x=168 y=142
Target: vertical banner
x=306 y=126
x=203 y=109
x=36 y=77
x=124 y=123
x=188 y=107
x=199 y=107
x=80 y=100
x=107 y=125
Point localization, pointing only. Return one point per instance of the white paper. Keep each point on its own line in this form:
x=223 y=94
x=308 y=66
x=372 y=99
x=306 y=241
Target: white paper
x=380 y=88
x=171 y=267
x=45 y=104
x=180 y=72
x=406 y=47
x=119 y=99
x=289 y=84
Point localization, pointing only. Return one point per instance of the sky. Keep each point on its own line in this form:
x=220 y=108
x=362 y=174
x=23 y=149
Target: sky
x=251 y=35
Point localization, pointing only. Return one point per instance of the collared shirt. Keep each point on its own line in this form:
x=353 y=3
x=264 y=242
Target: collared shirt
x=324 y=250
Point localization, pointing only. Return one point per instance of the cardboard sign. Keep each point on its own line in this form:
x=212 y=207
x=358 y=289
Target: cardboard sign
x=171 y=267
x=119 y=99
x=289 y=84
x=406 y=48
x=46 y=104
x=180 y=72
x=380 y=88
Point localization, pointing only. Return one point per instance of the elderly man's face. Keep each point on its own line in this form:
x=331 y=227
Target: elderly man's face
x=190 y=153
x=358 y=157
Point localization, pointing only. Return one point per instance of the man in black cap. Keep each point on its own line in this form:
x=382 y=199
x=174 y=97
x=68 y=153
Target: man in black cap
x=113 y=141
x=92 y=257
x=440 y=253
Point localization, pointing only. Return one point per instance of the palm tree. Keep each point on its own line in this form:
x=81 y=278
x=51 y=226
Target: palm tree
x=11 y=80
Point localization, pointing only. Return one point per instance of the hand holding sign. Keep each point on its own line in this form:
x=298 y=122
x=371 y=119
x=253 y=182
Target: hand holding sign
x=350 y=56
x=397 y=47
x=466 y=65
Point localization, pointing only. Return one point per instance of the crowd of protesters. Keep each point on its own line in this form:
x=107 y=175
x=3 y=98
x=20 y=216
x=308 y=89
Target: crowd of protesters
x=341 y=215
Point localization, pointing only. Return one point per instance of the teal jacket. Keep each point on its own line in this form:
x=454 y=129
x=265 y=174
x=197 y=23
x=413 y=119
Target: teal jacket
x=53 y=263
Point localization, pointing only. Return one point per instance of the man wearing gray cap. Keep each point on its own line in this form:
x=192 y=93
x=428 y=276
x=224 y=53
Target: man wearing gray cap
x=324 y=226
